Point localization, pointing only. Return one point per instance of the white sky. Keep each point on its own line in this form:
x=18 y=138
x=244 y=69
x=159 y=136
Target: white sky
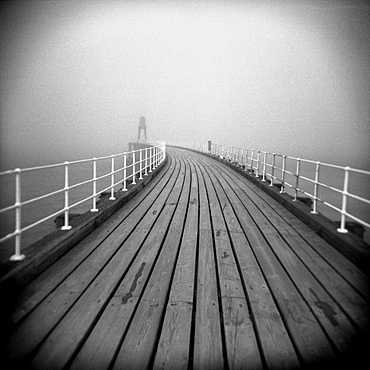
x=292 y=78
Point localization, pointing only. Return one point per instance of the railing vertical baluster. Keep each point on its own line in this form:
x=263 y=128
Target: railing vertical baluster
x=272 y=169
x=342 y=228
x=112 y=197
x=264 y=167
x=124 y=172
x=66 y=225
x=150 y=159
x=297 y=180
x=141 y=164
x=94 y=209
x=133 y=168
x=146 y=162
x=316 y=186
x=252 y=159
x=18 y=218
x=258 y=163
x=282 y=189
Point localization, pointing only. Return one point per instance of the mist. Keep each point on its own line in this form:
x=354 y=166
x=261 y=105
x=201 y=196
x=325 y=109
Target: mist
x=287 y=77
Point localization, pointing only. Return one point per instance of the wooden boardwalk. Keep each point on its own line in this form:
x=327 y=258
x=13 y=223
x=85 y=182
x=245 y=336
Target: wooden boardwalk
x=200 y=270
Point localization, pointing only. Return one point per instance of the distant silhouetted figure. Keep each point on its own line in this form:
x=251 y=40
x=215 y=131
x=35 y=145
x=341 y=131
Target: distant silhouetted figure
x=142 y=126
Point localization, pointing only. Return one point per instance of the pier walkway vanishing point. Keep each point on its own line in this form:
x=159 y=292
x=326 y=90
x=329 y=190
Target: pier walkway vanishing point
x=199 y=270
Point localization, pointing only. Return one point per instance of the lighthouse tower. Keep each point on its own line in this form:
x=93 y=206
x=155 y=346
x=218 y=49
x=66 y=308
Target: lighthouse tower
x=142 y=126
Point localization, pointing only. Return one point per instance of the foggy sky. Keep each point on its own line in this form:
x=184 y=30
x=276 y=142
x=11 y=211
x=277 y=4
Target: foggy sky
x=289 y=77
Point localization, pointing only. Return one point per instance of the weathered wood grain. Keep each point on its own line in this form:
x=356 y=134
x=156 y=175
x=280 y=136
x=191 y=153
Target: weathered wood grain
x=140 y=340
x=240 y=336
x=200 y=270
x=174 y=347
x=208 y=347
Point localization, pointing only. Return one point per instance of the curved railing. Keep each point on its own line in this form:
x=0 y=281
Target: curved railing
x=136 y=164
x=314 y=179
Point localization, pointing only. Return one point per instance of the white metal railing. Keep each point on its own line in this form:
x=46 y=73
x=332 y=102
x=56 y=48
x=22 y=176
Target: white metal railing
x=142 y=162
x=289 y=172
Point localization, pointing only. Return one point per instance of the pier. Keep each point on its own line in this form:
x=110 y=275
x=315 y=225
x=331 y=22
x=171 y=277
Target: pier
x=201 y=269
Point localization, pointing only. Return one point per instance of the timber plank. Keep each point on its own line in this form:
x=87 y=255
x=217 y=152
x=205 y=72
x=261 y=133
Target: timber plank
x=47 y=281
x=327 y=311
x=298 y=318
x=345 y=296
x=208 y=349
x=79 y=319
x=241 y=343
x=353 y=275
x=104 y=340
x=173 y=351
x=203 y=272
x=139 y=343
x=278 y=350
x=42 y=320
x=339 y=328
x=306 y=332
x=342 y=292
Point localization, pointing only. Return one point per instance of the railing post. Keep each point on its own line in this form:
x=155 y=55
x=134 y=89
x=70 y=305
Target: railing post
x=154 y=157
x=94 y=209
x=282 y=189
x=18 y=224
x=124 y=172
x=272 y=169
x=246 y=159
x=314 y=210
x=133 y=168
x=264 y=167
x=141 y=163
x=258 y=163
x=66 y=225
x=252 y=153
x=342 y=228
x=150 y=159
x=297 y=180
x=146 y=162
x=112 y=197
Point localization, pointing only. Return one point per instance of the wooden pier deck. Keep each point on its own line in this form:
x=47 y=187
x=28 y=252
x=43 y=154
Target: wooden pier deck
x=200 y=270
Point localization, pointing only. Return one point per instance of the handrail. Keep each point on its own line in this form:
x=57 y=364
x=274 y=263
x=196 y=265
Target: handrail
x=144 y=161
x=264 y=164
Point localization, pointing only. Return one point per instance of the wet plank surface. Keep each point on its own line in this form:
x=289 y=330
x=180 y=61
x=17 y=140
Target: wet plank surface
x=199 y=270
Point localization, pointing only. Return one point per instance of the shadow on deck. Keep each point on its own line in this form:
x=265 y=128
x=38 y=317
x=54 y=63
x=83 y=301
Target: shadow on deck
x=201 y=270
